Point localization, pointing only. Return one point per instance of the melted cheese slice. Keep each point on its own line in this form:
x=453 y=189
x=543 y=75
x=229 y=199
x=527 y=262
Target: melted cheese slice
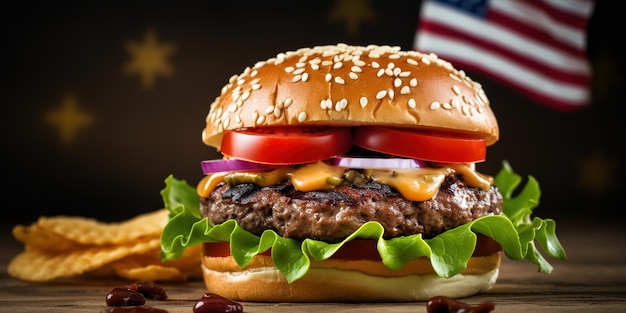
x=414 y=184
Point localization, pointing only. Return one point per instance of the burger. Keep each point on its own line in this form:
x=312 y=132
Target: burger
x=349 y=175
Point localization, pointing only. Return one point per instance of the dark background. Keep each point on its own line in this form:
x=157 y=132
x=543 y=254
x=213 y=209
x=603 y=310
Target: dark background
x=113 y=168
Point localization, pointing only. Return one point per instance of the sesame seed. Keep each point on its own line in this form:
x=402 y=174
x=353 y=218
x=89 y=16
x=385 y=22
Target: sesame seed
x=470 y=101
x=327 y=63
x=315 y=66
x=446 y=106
x=339 y=80
x=289 y=69
x=255 y=87
x=425 y=60
x=454 y=77
x=405 y=90
x=298 y=71
x=413 y=82
x=435 y=105
x=455 y=103
x=326 y=104
x=260 y=120
x=288 y=102
x=412 y=103
x=411 y=61
x=269 y=109
x=337 y=65
x=359 y=63
x=277 y=112
x=356 y=69
x=391 y=94
x=300 y=64
x=296 y=78
x=353 y=75
x=375 y=64
x=389 y=72
x=245 y=96
x=404 y=74
x=328 y=77
x=381 y=94
x=397 y=82
x=341 y=104
x=255 y=116
x=380 y=73
x=363 y=102
x=301 y=117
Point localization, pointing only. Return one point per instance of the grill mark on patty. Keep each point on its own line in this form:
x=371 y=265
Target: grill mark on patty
x=332 y=215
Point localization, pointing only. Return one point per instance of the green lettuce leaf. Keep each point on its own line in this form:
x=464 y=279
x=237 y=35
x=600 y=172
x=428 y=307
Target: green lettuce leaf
x=448 y=252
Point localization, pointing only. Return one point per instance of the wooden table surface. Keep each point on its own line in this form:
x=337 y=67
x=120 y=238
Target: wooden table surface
x=593 y=279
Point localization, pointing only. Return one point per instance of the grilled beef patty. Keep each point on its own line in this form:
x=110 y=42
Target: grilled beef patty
x=332 y=215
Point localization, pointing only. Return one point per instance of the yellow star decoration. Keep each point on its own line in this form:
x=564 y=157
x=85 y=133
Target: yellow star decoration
x=149 y=59
x=68 y=119
x=597 y=172
x=352 y=13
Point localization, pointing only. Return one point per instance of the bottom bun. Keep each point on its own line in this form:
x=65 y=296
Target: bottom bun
x=263 y=283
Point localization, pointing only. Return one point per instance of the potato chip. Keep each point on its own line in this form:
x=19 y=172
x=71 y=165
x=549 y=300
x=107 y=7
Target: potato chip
x=90 y=231
x=151 y=272
x=39 y=266
x=68 y=246
x=39 y=238
x=142 y=267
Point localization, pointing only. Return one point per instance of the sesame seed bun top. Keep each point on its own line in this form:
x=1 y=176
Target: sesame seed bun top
x=342 y=85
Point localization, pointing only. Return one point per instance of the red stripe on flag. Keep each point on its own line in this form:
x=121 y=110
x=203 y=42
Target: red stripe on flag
x=557 y=73
x=537 y=47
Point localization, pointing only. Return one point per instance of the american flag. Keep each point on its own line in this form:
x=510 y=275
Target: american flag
x=538 y=47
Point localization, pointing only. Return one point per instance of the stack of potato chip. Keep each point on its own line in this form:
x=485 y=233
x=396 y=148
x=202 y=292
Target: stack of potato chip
x=68 y=246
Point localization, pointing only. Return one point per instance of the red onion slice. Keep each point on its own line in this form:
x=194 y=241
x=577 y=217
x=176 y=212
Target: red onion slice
x=214 y=166
x=377 y=163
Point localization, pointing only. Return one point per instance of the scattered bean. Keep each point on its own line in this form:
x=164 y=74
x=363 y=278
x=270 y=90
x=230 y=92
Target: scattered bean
x=149 y=290
x=122 y=296
x=441 y=304
x=213 y=303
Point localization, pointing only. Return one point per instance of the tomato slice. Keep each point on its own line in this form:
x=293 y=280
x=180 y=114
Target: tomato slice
x=286 y=145
x=427 y=146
